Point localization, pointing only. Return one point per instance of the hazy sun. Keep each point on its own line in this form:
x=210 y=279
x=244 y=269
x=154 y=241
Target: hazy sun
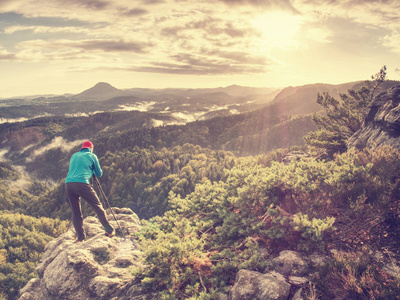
x=278 y=29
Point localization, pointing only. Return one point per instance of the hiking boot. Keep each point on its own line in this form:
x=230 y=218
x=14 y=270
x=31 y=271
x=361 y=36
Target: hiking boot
x=110 y=233
x=79 y=240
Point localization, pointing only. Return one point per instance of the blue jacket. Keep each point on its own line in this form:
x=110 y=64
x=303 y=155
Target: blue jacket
x=82 y=166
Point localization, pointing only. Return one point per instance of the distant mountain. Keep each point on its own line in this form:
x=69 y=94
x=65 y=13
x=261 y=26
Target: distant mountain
x=303 y=99
x=232 y=90
x=101 y=91
x=219 y=98
x=231 y=94
x=243 y=91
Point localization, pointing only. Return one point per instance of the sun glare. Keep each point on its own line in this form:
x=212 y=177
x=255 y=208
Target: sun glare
x=278 y=29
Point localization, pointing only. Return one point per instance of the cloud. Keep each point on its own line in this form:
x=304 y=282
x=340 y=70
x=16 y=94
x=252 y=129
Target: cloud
x=151 y=2
x=281 y=4
x=45 y=29
x=206 y=27
x=157 y=123
x=104 y=45
x=356 y=26
x=139 y=106
x=24 y=180
x=239 y=57
x=231 y=31
x=6 y=5
x=88 y=4
x=21 y=119
x=6 y=120
x=211 y=69
x=57 y=142
x=4 y=55
x=136 y=12
x=384 y=13
x=185 y=117
x=76 y=115
x=392 y=41
x=114 y=32
x=3 y=153
x=223 y=60
x=111 y=46
x=66 y=50
x=90 y=11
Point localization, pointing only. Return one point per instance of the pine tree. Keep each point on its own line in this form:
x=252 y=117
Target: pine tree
x=342 y=118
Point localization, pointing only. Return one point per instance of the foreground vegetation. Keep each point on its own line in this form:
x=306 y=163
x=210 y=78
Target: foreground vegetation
x=222 y=214
x=22 y=242
x=264 y=206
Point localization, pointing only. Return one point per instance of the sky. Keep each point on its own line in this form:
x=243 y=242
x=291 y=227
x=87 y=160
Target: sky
x=67 y=46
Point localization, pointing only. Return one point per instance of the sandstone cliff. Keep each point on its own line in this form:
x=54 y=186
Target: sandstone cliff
x=382 y=124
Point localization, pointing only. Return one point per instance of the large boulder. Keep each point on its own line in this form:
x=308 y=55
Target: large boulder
x=290 y=263
x=97 y=268
x=382 y=123
x=252 y=285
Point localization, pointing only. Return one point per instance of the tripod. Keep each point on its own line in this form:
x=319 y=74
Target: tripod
x=102 y=194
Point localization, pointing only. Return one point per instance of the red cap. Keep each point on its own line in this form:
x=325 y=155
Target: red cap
x=87 y=144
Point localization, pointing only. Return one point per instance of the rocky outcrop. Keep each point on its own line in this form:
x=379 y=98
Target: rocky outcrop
x=289 y=273
x=97 y=268
x=382 y=124
x=290 y=263
x=252 y=285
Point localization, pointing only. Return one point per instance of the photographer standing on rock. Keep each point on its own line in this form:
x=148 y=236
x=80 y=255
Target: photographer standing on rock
x=82 y=166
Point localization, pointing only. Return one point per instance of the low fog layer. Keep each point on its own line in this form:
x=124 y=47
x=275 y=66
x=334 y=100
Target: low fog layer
x=140 y=106
x=22 y=119
x=57 y=142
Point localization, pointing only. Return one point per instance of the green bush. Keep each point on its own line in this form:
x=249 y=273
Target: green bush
x=22 y=242
x=263 y=207
x=219 y=229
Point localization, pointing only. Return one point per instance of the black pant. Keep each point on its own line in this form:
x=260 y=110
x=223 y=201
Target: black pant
x=75 y=190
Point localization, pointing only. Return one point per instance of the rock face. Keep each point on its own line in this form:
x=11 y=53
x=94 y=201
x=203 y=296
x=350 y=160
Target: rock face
x=252 y=285
x=276 y=284
x=289 y=263
x=382 y=124
x=97 y=268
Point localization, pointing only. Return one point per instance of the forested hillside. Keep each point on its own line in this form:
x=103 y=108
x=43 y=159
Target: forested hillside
x=141 y=179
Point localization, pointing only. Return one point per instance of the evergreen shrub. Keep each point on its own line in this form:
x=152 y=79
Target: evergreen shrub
x=259 y=209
